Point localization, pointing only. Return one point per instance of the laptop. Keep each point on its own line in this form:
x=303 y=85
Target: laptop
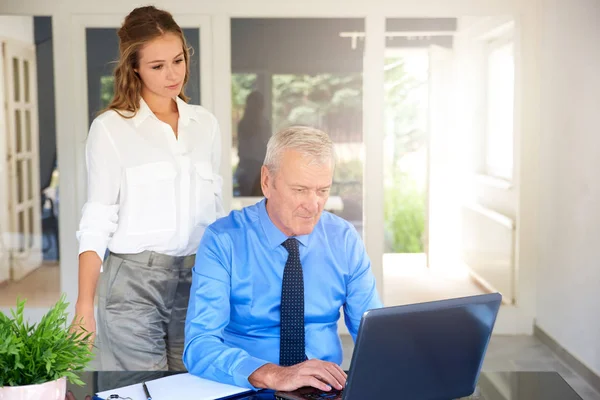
x=425 y=351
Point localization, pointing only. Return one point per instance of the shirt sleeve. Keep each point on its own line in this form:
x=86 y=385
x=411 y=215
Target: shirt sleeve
x=100 y=212
x=216 y=165
x=205 y=353
x=361 y=289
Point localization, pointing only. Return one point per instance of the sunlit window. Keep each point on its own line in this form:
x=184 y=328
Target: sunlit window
x=500 y=104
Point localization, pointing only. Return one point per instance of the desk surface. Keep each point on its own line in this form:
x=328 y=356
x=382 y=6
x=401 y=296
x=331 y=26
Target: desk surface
x=491 y=386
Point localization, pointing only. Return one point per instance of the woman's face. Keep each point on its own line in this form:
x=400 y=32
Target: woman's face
x=162 y=66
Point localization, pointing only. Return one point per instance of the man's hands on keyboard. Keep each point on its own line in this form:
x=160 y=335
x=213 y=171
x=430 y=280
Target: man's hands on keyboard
x=322 y=375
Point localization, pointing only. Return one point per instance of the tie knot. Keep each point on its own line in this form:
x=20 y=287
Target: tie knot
x=291 y=245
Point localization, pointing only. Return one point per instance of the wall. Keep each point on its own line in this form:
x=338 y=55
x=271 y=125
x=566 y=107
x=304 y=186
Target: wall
x=18 y=28
x=568 y=289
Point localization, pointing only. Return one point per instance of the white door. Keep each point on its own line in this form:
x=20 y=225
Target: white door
x=24 y=222
x=442 y=224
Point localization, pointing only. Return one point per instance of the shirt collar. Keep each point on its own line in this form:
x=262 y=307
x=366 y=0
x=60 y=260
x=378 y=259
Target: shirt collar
x=274 y=236
x=142 y=113
x=186 y=112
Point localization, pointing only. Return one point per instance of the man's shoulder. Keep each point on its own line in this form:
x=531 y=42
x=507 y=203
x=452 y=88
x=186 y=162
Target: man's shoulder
x=237 y=222
x=336 y=226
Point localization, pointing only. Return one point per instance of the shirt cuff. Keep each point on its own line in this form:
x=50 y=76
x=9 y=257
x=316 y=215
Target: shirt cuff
x=245 y=368
x=95 y=243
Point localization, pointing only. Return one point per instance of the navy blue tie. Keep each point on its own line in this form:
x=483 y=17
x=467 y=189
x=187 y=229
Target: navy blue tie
x=291 y=349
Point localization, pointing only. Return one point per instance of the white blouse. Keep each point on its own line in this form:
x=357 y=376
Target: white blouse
x=147 y=189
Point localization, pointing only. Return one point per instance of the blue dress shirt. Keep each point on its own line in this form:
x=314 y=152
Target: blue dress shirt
x=233 y=320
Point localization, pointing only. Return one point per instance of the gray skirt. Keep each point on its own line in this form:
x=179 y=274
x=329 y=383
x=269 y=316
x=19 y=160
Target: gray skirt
x=142 y=304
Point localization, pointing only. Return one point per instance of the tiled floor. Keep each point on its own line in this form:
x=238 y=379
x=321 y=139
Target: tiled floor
x=514 y=353
x=408 y=280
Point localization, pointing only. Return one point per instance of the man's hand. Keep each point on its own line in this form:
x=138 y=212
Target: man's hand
x=319 y=374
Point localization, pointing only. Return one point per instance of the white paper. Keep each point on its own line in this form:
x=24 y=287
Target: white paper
x=180 y=386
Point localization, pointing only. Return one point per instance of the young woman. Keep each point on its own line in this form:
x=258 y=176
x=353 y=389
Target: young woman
x=153 y=188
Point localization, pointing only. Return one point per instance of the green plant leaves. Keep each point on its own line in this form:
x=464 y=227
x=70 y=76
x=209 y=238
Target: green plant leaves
x=43 y=352
x=405 y=215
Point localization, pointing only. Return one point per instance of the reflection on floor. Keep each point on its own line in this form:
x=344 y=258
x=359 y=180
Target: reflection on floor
x=41 y=288
x=514 y=353
x=408 y=280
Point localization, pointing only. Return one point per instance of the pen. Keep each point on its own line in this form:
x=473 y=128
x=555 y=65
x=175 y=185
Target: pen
x=146 y=391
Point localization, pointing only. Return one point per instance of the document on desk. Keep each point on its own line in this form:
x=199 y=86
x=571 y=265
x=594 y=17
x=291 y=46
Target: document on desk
x=180 y=386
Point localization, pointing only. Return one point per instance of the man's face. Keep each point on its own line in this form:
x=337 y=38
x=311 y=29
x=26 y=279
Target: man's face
x=296 y=193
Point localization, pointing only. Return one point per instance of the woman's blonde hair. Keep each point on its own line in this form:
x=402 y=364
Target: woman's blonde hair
x=142 y=25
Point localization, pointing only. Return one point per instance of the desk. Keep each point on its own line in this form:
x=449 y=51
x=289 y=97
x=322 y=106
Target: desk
x=491 y=385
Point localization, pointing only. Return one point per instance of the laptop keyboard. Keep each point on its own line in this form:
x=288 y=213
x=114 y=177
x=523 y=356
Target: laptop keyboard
x=331 y=395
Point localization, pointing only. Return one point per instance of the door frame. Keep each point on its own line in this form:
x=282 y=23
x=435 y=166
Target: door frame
x=4 y=256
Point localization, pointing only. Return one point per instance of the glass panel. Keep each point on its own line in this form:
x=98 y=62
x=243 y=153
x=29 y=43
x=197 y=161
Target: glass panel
x=241 y=86
x=406 y=152
x=31 y=229
x=298 y=72
x=28 y=133
x=406 y=111
x=101 y=63
x=437 y=86
x=405 y=160
x=29 y=179
x=19 y=182
x=18 y=133
x=26 y=79
x=21 y=232
x=16 y=79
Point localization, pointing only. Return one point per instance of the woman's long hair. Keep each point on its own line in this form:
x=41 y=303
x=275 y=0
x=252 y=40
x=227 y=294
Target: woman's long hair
x=141 y=26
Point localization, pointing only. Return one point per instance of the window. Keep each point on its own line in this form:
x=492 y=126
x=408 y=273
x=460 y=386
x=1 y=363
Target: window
x=298 y=71
x=500 y=106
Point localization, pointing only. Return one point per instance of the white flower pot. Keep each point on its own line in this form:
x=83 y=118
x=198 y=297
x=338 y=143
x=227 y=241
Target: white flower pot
x=54 y=390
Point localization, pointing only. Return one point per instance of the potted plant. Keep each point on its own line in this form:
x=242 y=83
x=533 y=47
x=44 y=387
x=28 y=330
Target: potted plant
x=37 y=360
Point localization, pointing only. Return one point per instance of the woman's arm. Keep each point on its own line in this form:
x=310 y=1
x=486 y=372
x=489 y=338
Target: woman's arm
x=99 y=217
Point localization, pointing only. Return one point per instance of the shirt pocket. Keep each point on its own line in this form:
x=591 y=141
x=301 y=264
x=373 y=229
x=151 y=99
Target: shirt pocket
x=206 y=190
x=151 y=198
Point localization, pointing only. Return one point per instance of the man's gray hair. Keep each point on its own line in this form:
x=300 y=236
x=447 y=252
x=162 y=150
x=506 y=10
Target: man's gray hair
x=308 y=141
